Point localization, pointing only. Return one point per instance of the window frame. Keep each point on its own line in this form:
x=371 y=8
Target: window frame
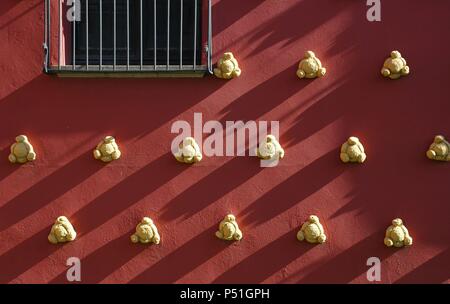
x=59 y=61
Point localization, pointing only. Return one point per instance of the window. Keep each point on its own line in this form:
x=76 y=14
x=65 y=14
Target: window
x=134 y=36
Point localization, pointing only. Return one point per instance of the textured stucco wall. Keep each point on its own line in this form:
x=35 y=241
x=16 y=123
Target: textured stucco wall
x=396 y=120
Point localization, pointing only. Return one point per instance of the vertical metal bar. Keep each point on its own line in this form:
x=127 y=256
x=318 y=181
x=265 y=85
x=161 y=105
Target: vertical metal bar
x=140 y=20
x=101 y=35
x=45 y=22
x=74 y=34
x=195 y=35
x=115 y=37
x=45 y=45
x=59 y=33
x=128 y=35
x=168 y=33
x=87 y=34
x=49 y=35
x=154 y=34
x=210 y=70
x=181 y=34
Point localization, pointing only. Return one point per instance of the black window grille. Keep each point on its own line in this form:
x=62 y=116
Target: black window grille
x=127 y=36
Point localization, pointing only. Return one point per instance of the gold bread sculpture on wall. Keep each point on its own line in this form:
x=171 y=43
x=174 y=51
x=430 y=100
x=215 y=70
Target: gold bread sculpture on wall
x=107 y=150
x=62 y=231
x=395 y=66
x=22 y=151
x=312 y=231
x=146 y=232
x=229 y=229
x=270 y=148
x=188 y=151
x=227 y=67
x=439 y=149
x=353 y=151
x=397 y=235
x=310 y=66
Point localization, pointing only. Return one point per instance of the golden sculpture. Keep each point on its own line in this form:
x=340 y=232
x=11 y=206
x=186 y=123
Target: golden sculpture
x=107 y=150
x=395 y=66
x=146 y=232
x=22 y=151
x=188 y=151
x=310 y=66
x=312 y=231
x=439 y=149
x=353 y=151
x=397 y=235
x=62 y=231
x=227 y=67
x=229 y=229
x=270 y=149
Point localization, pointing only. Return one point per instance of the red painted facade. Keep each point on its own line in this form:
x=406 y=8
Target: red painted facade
x=395 y=120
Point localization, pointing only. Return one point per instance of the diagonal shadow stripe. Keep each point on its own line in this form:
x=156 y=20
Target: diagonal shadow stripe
x=211 y=188
x=128 y=192
x=350 y=263
x=250 y=270
x=28 y=253
x=7 y=168
x=184 y=259
x=47 y=190
x=434 y=271
x=295 y=189
x=108 y=258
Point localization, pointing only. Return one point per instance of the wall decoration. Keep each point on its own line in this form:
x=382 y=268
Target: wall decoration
x=439 y=149
x=229 y=229
x=310 y=66
x=227 y=67
x=22 y=151
x=107 y=150
x=397 y=235
x=62 y=231
x=146 y=232
x=395 y=66
x=188 y=151
x=353 y=151
x=270 y=148
x=312 y=231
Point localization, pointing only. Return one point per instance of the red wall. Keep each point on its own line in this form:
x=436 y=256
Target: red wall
x=396 y=121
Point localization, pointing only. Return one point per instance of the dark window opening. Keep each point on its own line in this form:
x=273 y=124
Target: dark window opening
x=191 y=38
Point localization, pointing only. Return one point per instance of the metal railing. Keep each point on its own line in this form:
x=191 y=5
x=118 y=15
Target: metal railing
x=56 y=63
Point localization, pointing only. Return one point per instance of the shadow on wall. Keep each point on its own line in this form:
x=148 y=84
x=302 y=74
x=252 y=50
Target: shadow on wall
x=266 y=261
x=320 y=114
x=68 y=102
x=208 y=190
x=395 y=116
x=8 y=168
x=129 y=107
x=31 y=251
x=294 y=190
x=47 y=190
x=25 y=255
x=126 y=193
x=184 y=259
x=382 y=195
x=351 y=263
x=7 y=5
x=306 y=15
x=396 y=124
x=225 y=13
x=432 y=271
x=264 y=97
x=110 y=257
